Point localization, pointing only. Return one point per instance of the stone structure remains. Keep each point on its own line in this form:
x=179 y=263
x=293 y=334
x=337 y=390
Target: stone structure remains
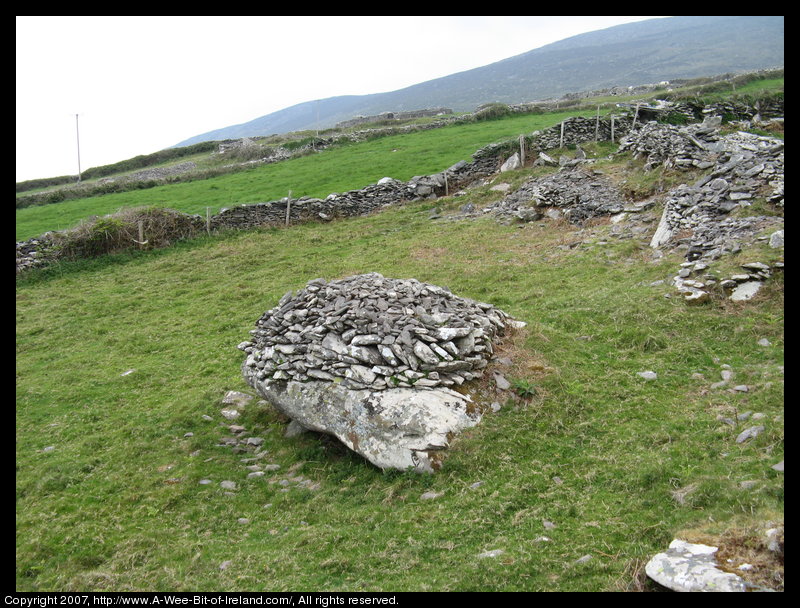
x=575 y=193
x=372 y=360
x=741 y=167
x=360 y=120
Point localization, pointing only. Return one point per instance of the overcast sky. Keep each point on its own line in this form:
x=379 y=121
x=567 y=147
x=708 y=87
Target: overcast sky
x=142 y=84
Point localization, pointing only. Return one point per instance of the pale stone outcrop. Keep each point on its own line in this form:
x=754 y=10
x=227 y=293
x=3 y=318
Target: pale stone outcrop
x=402 y=428
x=691 y=567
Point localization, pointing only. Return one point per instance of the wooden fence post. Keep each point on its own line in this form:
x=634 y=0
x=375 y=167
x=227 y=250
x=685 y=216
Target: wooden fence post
x=597 y=126
x=288 y=206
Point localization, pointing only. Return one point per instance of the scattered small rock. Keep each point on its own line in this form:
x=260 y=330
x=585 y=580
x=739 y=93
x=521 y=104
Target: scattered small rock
x=492 y=553
x=431 y=495
x=236 y=398
x=749 y=433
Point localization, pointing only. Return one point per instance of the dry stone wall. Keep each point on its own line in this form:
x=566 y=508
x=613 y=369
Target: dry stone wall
x=486 y=161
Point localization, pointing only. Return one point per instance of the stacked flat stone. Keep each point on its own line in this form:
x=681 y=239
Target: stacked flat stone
x=577 y=193
x=745 y=168
x=372 y=332
x=671 y=146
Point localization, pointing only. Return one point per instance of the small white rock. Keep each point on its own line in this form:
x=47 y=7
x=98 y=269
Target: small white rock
x=492 y=553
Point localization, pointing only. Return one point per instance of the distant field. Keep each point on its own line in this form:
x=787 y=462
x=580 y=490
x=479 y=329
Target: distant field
x=335 y=170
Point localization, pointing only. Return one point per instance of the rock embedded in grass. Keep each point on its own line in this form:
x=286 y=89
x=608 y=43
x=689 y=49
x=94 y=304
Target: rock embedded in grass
x=373 y=361
x=689 y=567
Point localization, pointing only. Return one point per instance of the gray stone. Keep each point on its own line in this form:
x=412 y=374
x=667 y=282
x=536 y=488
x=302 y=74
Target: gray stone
x=689 y=567
x=745 y=291
x=492 y=553
x=394 y=429
x=511 y=164
x=236 y=398
x=749 y=433
x=501 y=382
x=431 y=495
x=648 y=375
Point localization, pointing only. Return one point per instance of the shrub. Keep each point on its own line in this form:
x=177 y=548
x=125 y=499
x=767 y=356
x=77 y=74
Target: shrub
x=121 y=232
x=491 y=111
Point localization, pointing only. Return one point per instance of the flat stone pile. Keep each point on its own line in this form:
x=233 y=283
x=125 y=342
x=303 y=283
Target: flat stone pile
x=745 y=168
x=672 y=146
x=154 y=173
x=577 y=193
x=372 y=332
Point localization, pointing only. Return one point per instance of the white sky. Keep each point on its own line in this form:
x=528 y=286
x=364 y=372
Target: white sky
x=142 y=84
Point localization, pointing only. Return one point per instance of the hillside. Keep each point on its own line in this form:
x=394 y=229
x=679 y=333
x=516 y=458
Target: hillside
x=621 y=56
x=634 y=412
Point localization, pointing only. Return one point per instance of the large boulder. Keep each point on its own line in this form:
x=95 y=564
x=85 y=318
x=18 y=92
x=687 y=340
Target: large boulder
x=375 y=361
x=401 y=428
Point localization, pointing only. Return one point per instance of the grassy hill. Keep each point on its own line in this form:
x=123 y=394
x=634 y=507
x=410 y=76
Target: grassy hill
x=123 y=361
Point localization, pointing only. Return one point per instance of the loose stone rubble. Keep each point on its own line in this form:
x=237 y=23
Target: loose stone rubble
x=742 y=168
x=574 y=192
x=371 y=360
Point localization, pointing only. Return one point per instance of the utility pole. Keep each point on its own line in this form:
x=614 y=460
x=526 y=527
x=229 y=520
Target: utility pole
x=78 y=135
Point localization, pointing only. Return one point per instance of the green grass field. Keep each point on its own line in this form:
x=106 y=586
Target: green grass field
x=116 y=504
x=122 y=363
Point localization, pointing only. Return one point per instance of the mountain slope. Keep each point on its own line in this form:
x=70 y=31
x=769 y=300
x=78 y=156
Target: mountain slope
x=624 y=55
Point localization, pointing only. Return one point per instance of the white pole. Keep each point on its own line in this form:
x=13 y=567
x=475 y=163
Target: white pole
x=78 y=136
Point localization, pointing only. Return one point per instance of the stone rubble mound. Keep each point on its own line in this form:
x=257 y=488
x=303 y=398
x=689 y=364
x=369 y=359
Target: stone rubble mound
x=573 y=192
x=372 y=332
x=371 y=360
x=744 y=168
x=674 y=147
